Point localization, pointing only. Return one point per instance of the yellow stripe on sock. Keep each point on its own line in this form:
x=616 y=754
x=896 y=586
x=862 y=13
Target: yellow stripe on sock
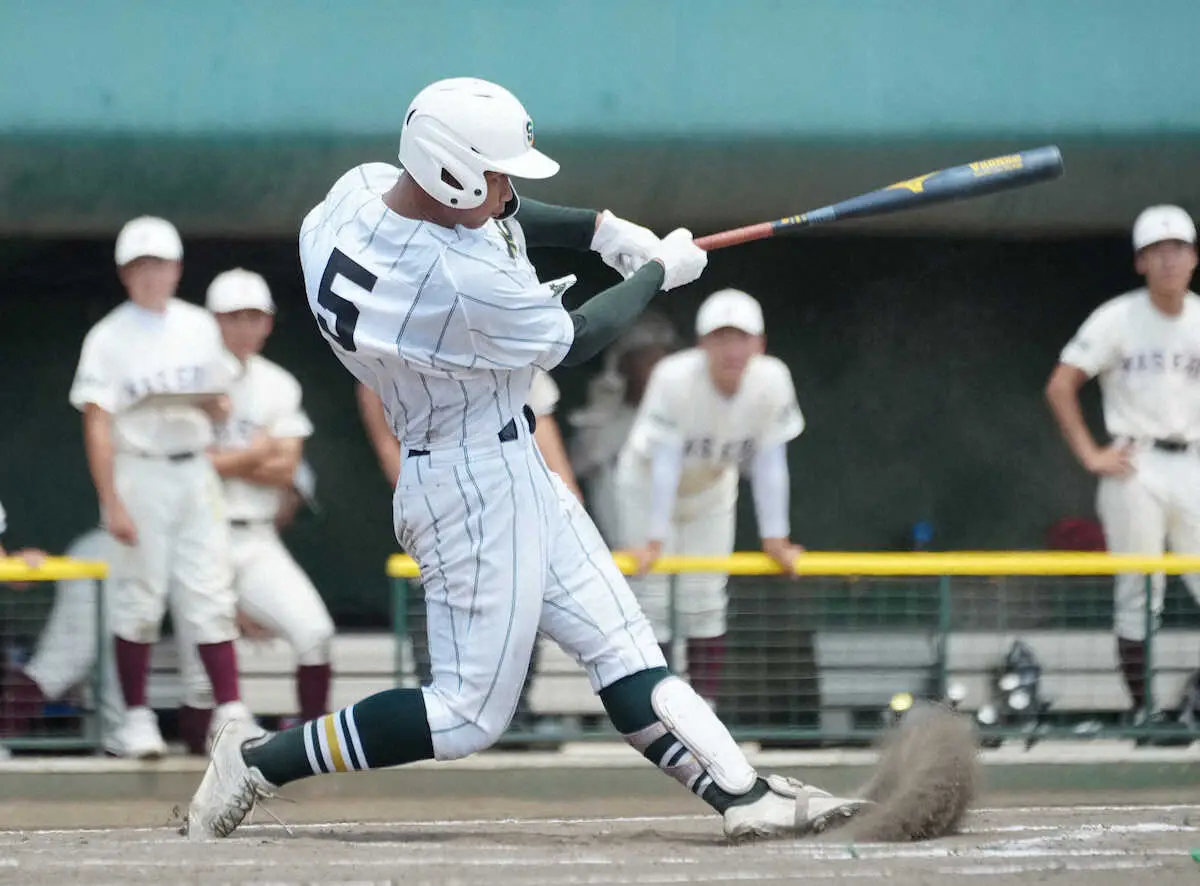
x=335 y=749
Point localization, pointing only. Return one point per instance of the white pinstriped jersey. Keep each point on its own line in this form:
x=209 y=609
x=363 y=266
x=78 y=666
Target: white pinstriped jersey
x=445 y=325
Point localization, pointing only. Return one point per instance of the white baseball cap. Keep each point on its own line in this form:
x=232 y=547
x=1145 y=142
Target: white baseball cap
x=1158 y=223
x=239 y=290
x=730 y=307
x=147 y=236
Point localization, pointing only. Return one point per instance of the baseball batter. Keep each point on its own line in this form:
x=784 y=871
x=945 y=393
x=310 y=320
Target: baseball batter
x=709 y=413
x=258 y=452
x=420 y=282
x=1144 y=347
x=150 y=384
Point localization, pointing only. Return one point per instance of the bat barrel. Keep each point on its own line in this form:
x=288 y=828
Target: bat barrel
x=958 y=182
x=953 y=183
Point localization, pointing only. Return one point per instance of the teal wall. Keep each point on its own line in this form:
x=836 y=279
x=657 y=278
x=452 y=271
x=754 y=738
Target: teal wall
x=631 y=68
x=232 y=117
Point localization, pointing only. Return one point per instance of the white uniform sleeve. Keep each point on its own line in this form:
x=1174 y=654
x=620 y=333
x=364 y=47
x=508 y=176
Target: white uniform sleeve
x=3 y=520
x=771 y=487
x=291 y=420
x=783 y=420
x=512 y=326
x=666 y=466
x=1095 y=346
x=543 y=394
x=658 y=417
x=221 y=367
x=93 y=382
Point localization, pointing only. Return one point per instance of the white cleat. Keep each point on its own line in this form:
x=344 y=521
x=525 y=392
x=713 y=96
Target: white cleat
x=227 y=713
x=230 y=788
x=138 y=738
x=790 y=808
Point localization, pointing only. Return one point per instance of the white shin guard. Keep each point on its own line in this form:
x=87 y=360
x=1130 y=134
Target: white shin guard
x=703 y=751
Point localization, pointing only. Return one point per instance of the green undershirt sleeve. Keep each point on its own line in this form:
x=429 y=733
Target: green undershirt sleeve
x=601 y=319
x=547 y=225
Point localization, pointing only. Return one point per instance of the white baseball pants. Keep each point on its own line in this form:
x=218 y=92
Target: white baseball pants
x=1155 y=506
x=183 y=539
x=274 y=591
x=701 y=598
x=67 y=653
x=506 y=551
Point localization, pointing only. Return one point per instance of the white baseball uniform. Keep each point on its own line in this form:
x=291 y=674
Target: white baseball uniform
x=595 y=450
x=67 y=649
x=448 y=327
x=271 y=587
x=1149 y=373
x=543 y=394
x=138 y=365
x=718 y=436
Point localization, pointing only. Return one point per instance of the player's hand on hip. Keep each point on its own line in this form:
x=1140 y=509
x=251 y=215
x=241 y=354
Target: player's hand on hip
x=119 y=524
x=1112 y=461
x=645 y=557
x=783 y=552
x=682 y=260
x=622 y=245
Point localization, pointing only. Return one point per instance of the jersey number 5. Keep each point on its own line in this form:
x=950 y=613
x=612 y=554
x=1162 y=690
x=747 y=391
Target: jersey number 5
x=345 y=312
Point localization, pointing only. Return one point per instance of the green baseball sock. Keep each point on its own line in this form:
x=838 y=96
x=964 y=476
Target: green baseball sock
x=386 y=729
x=628 y=705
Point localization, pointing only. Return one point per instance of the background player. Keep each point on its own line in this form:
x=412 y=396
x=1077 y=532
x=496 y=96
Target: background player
x=150 y=384
x=258 y=452
x=709 y=412
x=420 y=282
x=543 y=400
x=1144 y=346
x=603 y=424
x=10 y=707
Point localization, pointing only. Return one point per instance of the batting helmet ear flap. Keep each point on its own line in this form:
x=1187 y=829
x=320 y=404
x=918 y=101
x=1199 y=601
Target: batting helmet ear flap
x=469 y=186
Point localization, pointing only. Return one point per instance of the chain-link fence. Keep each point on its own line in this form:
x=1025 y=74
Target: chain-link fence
x=51 y=626
x=1025 y=643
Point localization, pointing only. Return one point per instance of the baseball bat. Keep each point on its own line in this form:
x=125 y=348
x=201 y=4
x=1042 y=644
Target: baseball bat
x=953 y=183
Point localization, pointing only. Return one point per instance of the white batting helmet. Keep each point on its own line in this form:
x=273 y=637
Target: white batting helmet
x=466 y=127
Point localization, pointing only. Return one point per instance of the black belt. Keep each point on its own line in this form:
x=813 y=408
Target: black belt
x=246 y=524
x=1172 y=445
x=169 y=456
x=506 y=433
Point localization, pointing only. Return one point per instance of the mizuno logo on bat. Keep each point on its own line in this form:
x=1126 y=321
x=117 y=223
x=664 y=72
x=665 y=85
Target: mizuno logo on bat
x=916 y=185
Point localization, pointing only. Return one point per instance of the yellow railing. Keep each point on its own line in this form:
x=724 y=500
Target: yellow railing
x=905 y=563
x=51 y=569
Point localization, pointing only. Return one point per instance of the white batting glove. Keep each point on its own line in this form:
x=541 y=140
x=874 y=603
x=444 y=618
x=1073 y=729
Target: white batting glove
x=624 y=246
x=682 y=260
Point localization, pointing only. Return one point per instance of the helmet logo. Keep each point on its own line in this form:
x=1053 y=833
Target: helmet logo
x=529 y=132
